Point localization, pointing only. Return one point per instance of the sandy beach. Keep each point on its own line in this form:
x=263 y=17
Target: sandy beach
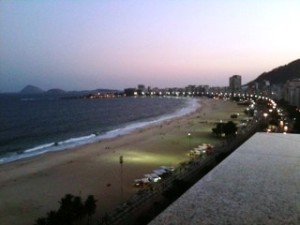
x=32 y=187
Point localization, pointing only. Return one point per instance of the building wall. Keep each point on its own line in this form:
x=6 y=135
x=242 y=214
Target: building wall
x=292 y=92
x=235 y=83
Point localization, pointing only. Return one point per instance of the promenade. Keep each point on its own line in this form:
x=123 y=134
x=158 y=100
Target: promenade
x=148 y=202
x=94 y=169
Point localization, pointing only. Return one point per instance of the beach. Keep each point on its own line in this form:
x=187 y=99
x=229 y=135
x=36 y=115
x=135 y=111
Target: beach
x=31 y=187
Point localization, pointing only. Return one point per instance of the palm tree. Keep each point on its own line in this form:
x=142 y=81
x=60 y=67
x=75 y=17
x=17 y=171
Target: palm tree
x=71 y=210
x=66 y=213
x=78 y=208
x=90 y=207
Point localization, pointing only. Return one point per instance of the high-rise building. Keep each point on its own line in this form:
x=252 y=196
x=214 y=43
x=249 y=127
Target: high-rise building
x=235 y=83
x=292 y=92
x=142 y=89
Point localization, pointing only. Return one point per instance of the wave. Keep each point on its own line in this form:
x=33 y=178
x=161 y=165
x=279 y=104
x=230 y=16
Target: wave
x=190 y=107
x=38 y=148
x=74 y=140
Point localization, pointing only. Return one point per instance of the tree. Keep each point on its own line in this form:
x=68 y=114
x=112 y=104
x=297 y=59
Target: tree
x=71 y=210
x=296 y=128
x=66 y=213
x=218 y=130
x=52 y=218
x=90 y=207
x=230 y=129
x=78 y=208
x=41 y=221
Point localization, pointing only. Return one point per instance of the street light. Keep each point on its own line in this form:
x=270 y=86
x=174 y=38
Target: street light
x=189 y=136
x=121 y=164
x=280 y=125
x=265 y=120
x=285 y=129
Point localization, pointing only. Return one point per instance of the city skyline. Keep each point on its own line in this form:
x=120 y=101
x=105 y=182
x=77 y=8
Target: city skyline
x=118 y=44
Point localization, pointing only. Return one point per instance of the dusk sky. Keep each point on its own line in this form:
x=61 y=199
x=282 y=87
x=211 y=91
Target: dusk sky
x=88 y=44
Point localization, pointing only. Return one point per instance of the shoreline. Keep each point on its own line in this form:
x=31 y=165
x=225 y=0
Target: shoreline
x=32 y=187
x=75 y=142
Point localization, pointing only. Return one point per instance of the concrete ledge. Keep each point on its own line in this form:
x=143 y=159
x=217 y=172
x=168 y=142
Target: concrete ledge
x=257 y=184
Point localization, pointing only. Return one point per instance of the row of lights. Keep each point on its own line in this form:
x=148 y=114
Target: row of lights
x=283 y=126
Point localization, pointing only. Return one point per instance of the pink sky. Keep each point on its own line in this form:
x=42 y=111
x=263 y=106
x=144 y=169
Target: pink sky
x=117 y=44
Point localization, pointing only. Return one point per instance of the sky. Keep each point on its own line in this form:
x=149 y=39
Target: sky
x=88 y=44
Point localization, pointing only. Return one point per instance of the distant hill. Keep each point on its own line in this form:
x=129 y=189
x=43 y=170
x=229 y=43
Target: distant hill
x=30 y=89
x=55 y=91
x=281 y=74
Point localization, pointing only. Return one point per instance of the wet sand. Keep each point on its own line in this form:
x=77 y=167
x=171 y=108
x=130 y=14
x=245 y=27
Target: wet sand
x=32 y=187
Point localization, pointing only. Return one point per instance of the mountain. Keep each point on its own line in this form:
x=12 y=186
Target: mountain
x=55 y=91
x=30 y=89
x=281 y=74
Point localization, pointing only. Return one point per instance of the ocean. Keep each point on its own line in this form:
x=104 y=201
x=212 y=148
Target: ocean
x=34 y=125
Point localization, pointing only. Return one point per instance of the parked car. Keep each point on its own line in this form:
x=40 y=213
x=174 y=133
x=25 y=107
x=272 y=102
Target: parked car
x=141 y=182
x=153 y=177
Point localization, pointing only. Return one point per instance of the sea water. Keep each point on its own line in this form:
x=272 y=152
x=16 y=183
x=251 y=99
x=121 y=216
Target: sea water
x=34 y=125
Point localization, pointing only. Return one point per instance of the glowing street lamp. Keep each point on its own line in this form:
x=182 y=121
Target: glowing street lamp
x=285 y=129
x=189 y=136
x=280 y=125
x=265 y=115
x=221 y=124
